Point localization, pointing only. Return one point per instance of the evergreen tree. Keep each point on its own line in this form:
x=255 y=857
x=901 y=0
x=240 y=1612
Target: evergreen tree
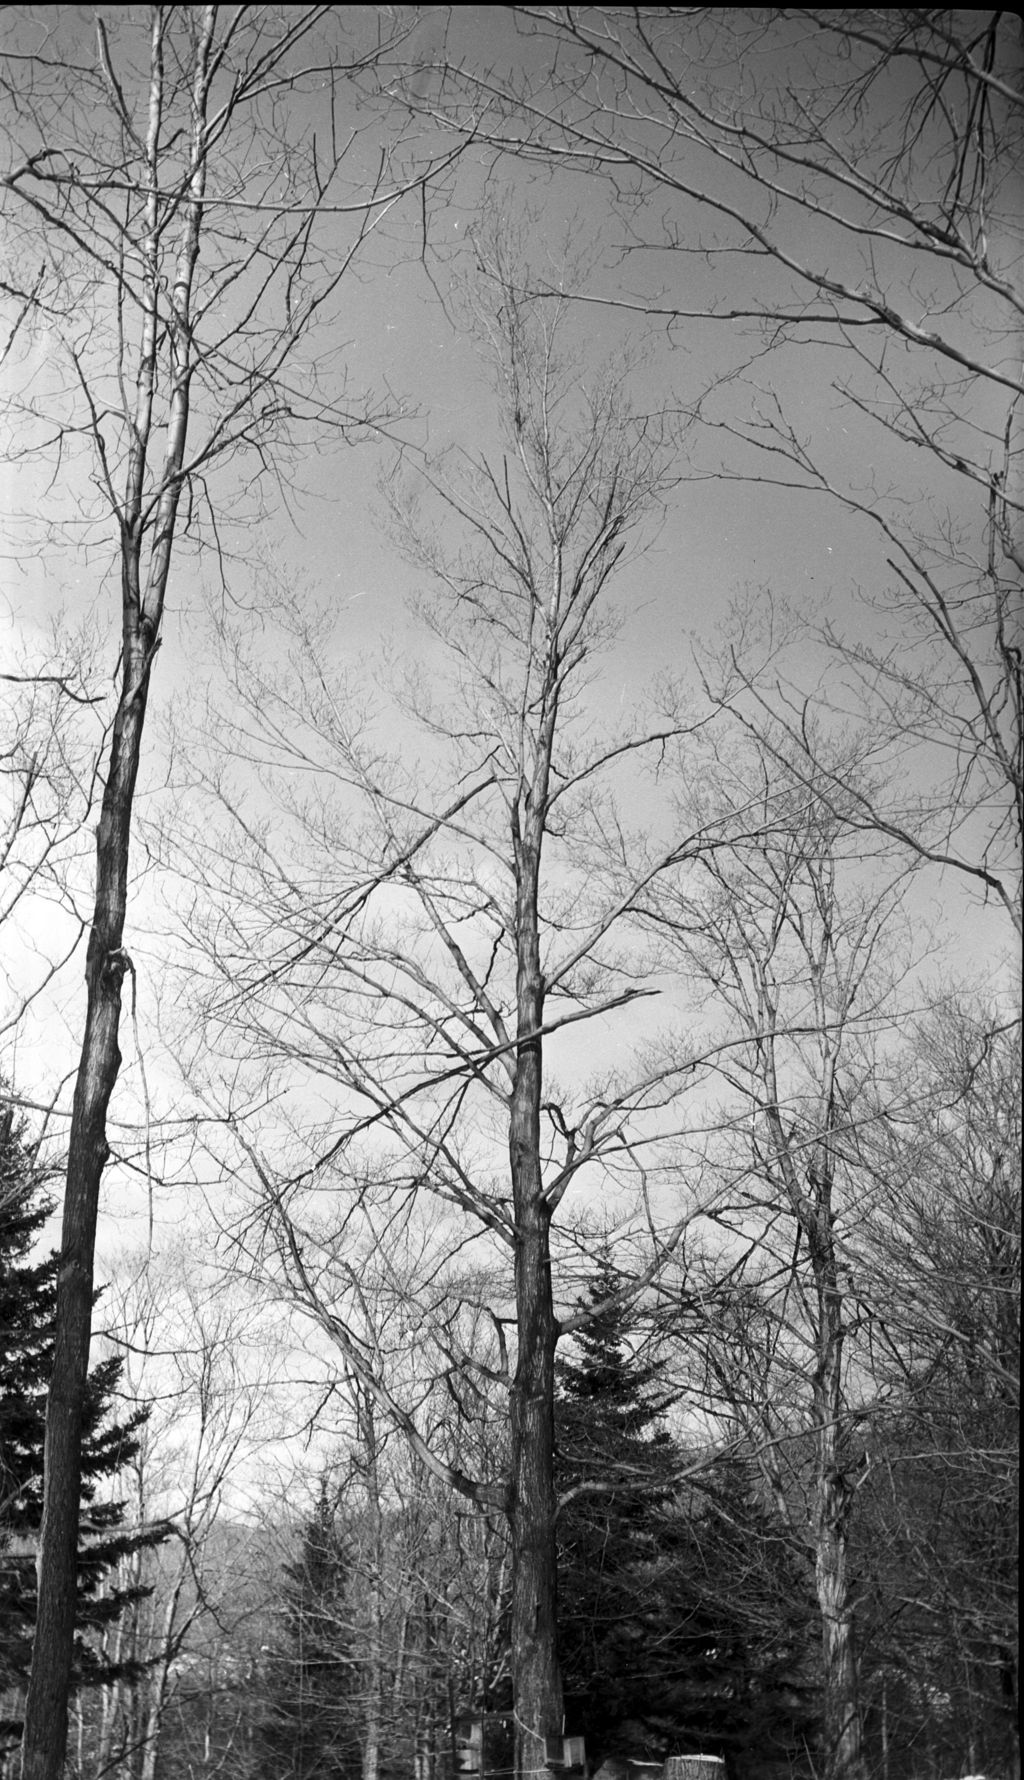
x=27 y=1298
x=753 y=1694
x=681 y=1624
x=310 y=1728
x=617 y=1465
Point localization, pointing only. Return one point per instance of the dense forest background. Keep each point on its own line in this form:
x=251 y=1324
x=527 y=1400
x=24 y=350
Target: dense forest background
x=512 y=794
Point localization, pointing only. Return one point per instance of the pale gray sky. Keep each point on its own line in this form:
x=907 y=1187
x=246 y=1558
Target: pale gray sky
x=718 y=539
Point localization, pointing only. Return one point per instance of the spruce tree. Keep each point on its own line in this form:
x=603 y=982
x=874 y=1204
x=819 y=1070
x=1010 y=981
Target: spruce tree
x=682 y=1626
x=310 y=1727
x=27 y=1299
x=753 y=1698
x=616 y=1464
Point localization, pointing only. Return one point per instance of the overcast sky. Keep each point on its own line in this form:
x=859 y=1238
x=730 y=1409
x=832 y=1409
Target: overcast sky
x=717 y=539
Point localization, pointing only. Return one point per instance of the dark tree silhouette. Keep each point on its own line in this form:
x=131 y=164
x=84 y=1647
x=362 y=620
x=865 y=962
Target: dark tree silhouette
x=27 y=1302
x=310 y=1731
x=683 y=1627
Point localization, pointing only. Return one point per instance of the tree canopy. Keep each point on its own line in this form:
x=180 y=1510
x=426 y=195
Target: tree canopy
x=544 y=883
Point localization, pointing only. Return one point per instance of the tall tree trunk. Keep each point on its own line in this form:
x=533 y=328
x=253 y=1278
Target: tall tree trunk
x=374 y=1721
x=142 y=606
x=844 y=1751
x=536 y=1676
x=46 y=1710
x=812 y=1201
x=535 y=1670
x=119 y=1645
x=156 y=1697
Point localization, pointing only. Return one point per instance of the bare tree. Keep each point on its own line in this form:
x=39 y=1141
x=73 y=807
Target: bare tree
x=827 y=202
x=191 y=1352
x=402 y=943
x=429 y=1579
x=944 y=1144
x=168 y=272
x=943 y=1152
x=48 y=777
x=384 y=1633
x=789 y=931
